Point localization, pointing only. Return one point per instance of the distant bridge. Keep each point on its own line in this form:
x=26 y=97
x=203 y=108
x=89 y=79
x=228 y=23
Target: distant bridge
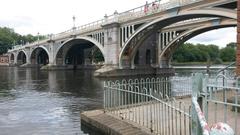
x=146 y=36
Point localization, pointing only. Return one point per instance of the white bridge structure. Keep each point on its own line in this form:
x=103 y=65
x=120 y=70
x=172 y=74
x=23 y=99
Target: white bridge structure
x=146 y=36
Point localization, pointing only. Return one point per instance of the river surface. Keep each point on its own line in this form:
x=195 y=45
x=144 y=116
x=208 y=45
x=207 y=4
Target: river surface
x=36 y=102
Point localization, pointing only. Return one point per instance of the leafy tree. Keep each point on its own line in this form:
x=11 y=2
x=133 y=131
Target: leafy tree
x=8 y=38
x=232 y=45
x=189 y=52
x=228 y=54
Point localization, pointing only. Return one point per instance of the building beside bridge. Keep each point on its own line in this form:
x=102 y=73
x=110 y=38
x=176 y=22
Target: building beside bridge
x=4 y=60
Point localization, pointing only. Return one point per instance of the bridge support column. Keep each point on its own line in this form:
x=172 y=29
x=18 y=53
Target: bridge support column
x=159 y=48
x=51 y=62
x=111 y=43
x=28 y=56
x=15 y=58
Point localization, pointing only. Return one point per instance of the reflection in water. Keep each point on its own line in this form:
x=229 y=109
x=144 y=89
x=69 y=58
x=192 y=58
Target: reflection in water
x=46 y=102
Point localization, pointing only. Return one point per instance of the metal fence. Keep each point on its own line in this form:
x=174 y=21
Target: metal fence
x=219 y=104
x=181 y=86
x=149 y=103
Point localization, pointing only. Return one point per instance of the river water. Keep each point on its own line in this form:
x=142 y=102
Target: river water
x=36 y=102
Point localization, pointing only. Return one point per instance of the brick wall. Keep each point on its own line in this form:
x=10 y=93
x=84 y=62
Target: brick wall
x=238 y=40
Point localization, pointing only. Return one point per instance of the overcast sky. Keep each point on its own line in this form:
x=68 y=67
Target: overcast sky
x=54 y=16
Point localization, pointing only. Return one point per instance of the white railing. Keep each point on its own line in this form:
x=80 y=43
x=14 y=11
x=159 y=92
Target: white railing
x=147 y=102
x=215 y=107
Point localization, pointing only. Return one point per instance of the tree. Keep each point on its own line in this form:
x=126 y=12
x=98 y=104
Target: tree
x=228 y=54
x=232 y=45
x=8 y=38
x=189 y=52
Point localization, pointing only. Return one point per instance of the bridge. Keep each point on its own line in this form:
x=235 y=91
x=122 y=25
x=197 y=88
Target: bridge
x=145 y=36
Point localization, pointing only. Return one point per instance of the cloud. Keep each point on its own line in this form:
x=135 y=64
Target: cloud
x=219 y=37
x=17 y=21
x=55 y=16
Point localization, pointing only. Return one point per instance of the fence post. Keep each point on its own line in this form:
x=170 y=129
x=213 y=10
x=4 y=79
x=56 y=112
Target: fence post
x=104 y=96
x=197 y=86
x=204 y=93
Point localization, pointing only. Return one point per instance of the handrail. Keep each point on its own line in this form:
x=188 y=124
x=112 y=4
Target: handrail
x=220 y=70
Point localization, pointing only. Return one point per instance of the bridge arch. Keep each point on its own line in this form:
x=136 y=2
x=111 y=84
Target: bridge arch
x=12 y=58
x=22 y=57
x=173 y=45
x=132 y=44
x=79 y=43
x=39 y=55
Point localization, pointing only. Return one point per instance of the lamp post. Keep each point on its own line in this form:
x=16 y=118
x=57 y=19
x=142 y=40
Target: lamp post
x=38 y=37
x=74 y=20
x=74 y=27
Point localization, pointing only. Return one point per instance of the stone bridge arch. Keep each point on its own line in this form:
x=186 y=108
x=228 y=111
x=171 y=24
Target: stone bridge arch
x=12 y=58
x=129 y=49
x=39 y=55
x=21 y=57
x=63 y=48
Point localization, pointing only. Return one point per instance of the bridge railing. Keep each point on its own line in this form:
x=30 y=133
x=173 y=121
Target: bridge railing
x=145 y=10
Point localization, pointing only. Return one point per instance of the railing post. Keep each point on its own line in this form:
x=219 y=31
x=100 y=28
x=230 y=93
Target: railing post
x=196 y=88
x=204 y=94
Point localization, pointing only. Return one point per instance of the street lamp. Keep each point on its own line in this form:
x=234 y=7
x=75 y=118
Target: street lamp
x=74 y=19
x=38 y=37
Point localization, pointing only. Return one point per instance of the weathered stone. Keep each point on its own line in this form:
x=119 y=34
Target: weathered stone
x=110 y=125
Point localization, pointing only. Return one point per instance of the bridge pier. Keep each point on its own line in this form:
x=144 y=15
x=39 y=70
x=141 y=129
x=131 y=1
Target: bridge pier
x=111 y=43
x=52 y=62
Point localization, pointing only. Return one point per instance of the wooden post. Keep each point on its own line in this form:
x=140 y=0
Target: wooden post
x=238 y=40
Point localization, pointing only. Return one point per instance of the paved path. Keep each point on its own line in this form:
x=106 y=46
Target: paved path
x=111 y=125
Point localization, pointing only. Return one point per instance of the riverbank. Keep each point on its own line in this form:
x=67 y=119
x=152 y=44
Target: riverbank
x=203 y=65
x=198 y=64
x=107 y=124
x=115 y=72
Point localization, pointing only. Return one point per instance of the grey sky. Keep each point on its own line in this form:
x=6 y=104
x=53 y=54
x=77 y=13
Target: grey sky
x=54 y=16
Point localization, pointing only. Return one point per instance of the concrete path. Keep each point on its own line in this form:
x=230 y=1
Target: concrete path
x=110 y=125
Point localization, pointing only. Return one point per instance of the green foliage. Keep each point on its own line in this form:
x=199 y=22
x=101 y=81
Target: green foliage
x=232 y=45
x=228 y=54
x=189 y=52
x=8 y=38
x=98 y=57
